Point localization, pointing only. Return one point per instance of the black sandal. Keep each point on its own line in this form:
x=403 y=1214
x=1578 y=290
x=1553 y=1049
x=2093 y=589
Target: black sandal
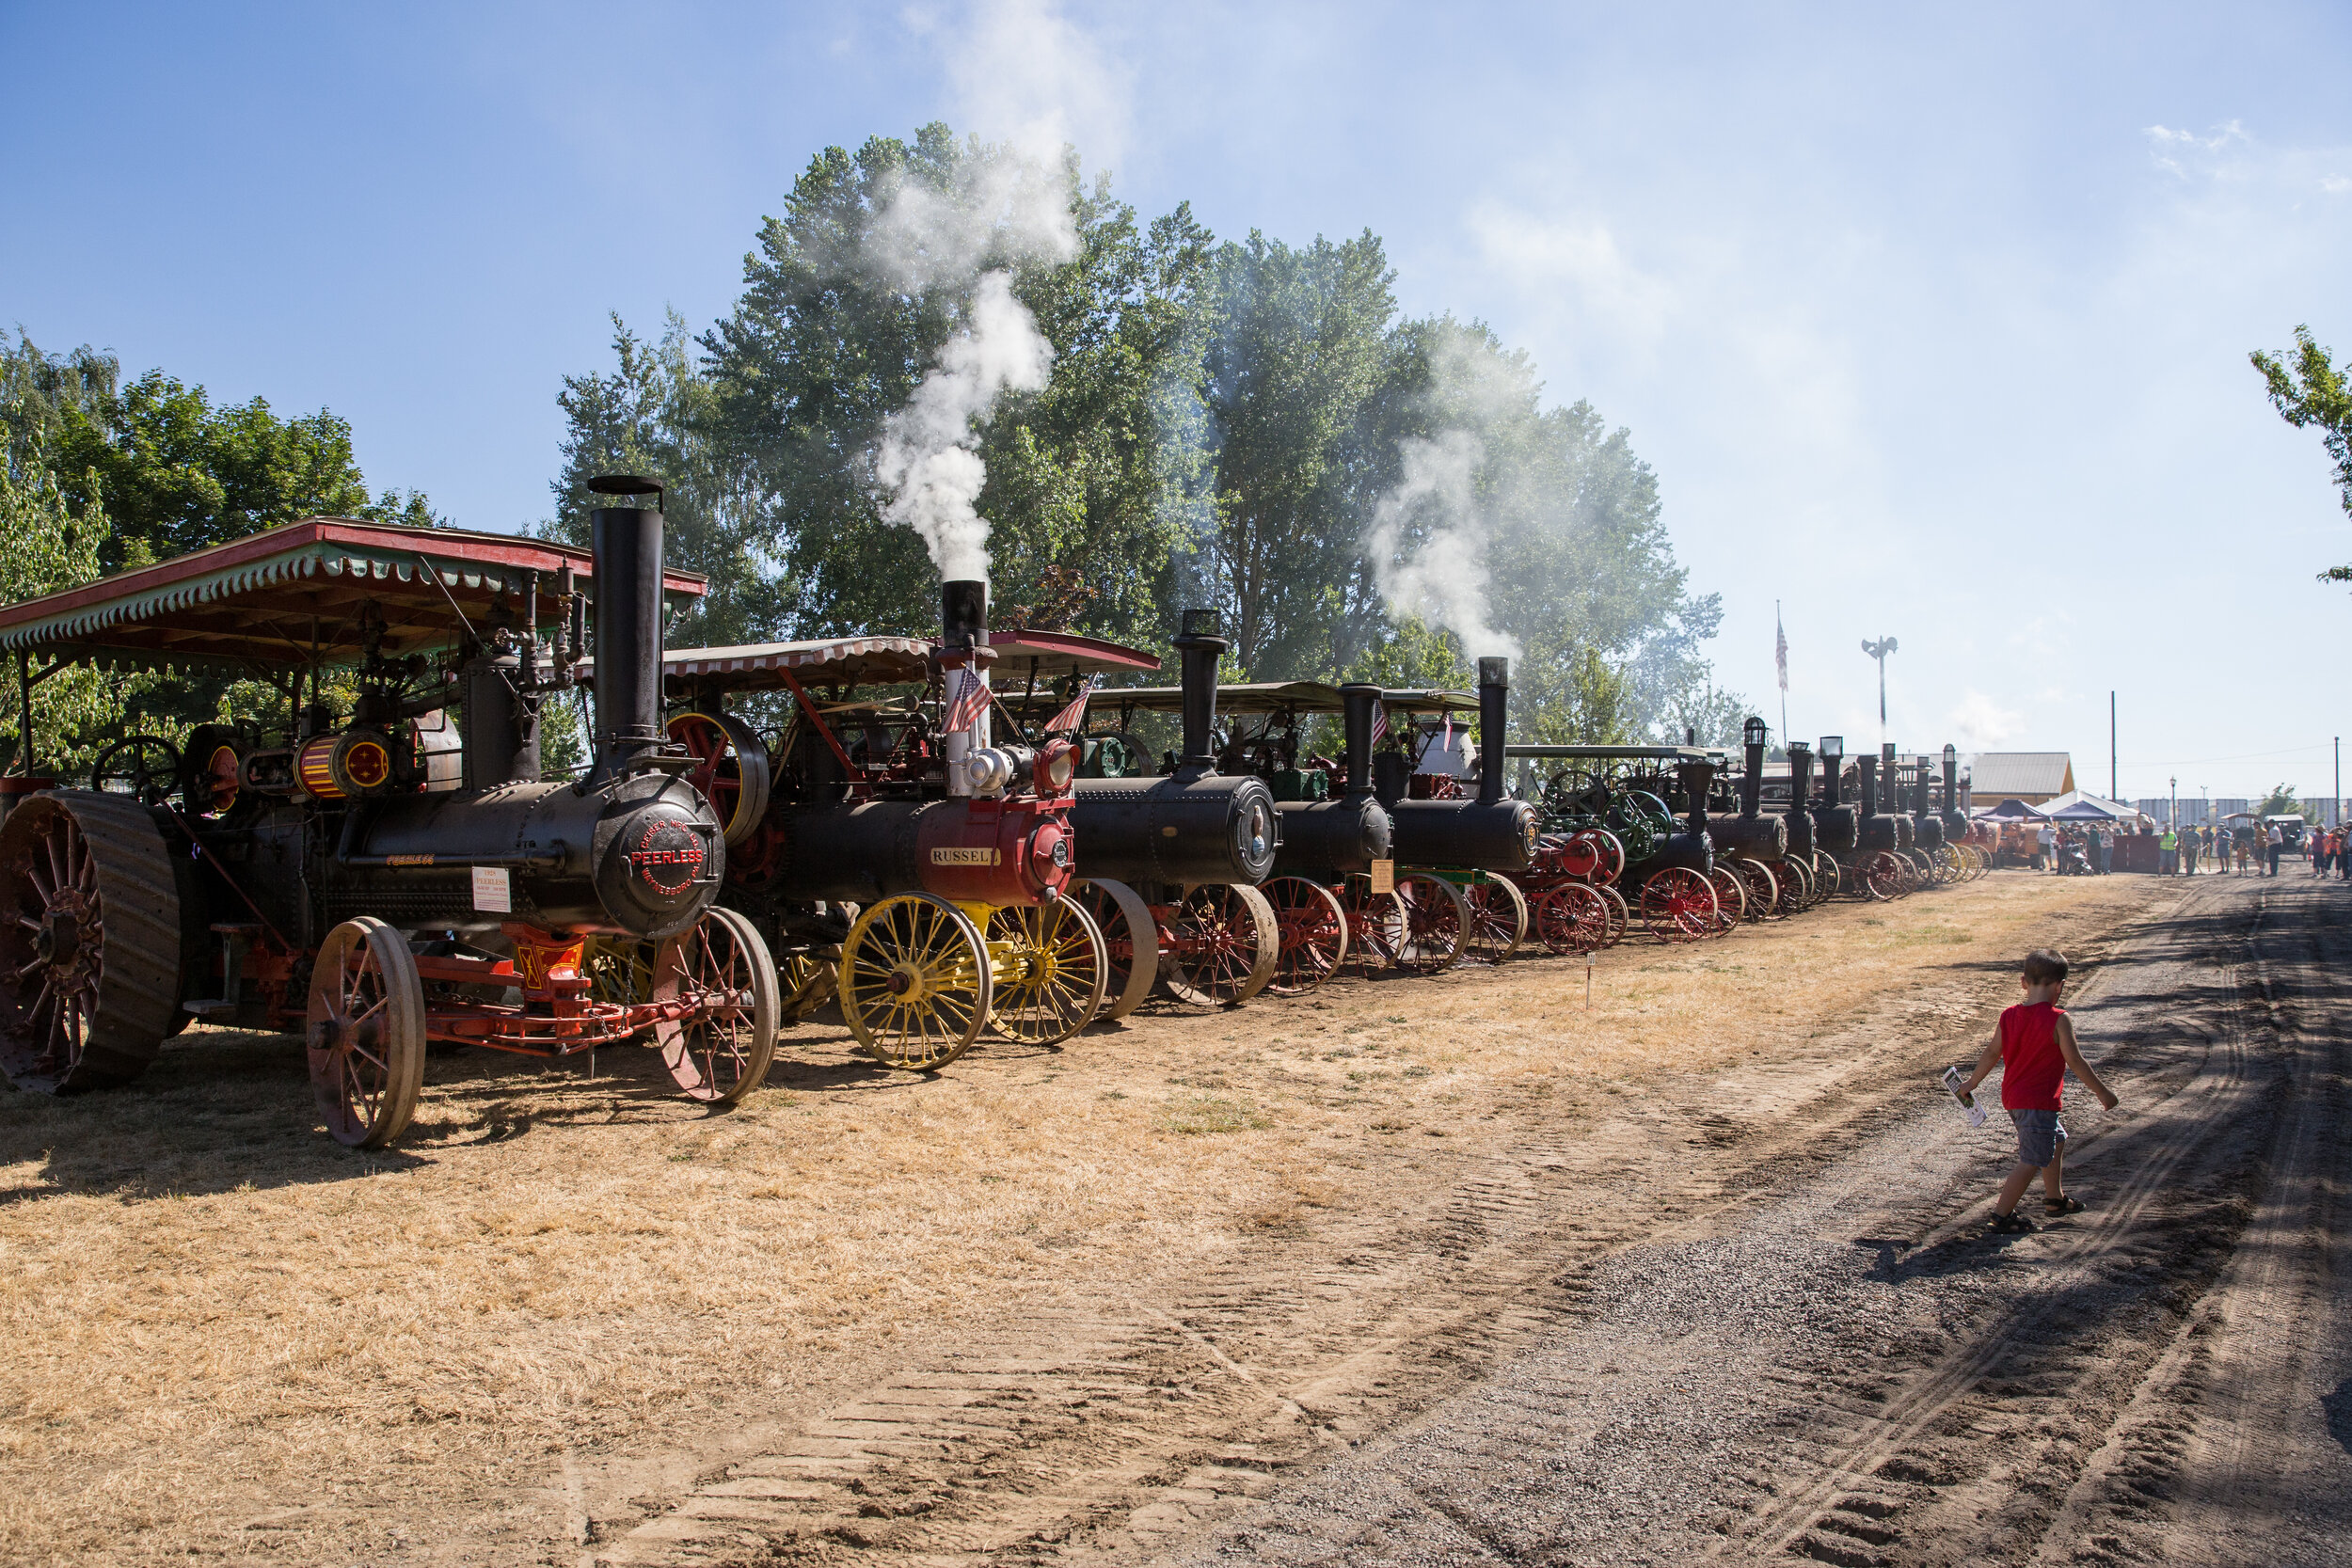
x=2068 y=1205
x=2012 y=1224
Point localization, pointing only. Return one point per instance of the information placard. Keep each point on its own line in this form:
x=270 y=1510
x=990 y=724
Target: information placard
x=493 y=889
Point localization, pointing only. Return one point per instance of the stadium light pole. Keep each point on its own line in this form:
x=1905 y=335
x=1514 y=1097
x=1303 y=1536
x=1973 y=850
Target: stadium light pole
x=1878 y=650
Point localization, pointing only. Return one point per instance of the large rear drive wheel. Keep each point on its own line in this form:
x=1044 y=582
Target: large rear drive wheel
x=1051 y=970
x=1314 y=935
x=1375 y=925
x=91 y=943
x=915 y=987
x=720 y=1052
x=1571 y=918
x=1131 y=943
x=1731 y=898
x=365 y=1033
x=1226 y=943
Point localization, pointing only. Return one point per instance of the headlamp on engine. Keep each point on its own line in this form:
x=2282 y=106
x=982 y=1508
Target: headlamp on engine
x=1055 y=767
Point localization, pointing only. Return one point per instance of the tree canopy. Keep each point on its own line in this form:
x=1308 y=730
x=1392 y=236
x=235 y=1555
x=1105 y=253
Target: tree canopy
x=2308 y=390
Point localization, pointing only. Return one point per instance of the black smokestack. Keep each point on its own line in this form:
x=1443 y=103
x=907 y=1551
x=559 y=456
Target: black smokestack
x=627 y=544
x=1356 y=701
x=1890 y=798
x=962 y=613
x=1800 y=774
x=1833 y=777
x=1494 y=702
x=1697 y=778
x=1200 y=647
x=1951 y=780
x=1752 y=781
x=1865 y=768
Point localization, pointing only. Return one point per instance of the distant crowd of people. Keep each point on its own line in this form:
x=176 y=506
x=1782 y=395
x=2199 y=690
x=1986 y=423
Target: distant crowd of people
x=2063 y=849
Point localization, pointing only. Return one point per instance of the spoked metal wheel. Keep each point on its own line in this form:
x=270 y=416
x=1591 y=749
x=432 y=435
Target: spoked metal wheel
x=146 y=767
x=364 y=1031
x=719 y=967
x=1761 y=888
x=1224 y=945
x=1131 y=943
x=90 y=946
x=1571 y=918
x=1731 y=898
x=1437 y=922
x=1829 y=878
x=1375 y=925
x=1679 y=905
x=915 y=986
x=1796 y=886
x=730 y=770
x=1051 y=968
x=1314 y=934
x=1882 y=876
x=805 y=982
x=1499 y=918
x=618 y=970
x=1620 y=915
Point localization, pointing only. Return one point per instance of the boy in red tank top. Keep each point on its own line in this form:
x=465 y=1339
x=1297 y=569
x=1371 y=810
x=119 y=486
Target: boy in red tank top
x=2035 y=1047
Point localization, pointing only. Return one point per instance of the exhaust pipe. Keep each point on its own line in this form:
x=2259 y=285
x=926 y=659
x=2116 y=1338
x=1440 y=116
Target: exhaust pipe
x=1494 y=697
x=1891 y=800
x=1951 y=779
x=1696 y=778
x=1199 y=647
x=627 y=542
x=1752 y=781
x=963 y=634
x=1867 y=769
x=1356 y=701
x=1800 y=774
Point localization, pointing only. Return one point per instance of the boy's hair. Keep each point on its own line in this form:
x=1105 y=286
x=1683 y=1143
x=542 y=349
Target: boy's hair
x=2044 y=965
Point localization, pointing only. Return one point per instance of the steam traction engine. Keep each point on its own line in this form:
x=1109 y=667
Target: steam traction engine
x=389 y=880
x=894 y=831
x=1853 y=836
x=1172 y=862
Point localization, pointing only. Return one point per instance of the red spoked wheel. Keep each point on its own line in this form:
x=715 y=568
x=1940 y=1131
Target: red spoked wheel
x=1313 y=934
x=1571 y=918
x=1679 y=905
x=1375 y=925
x=1499 y=918
x=1611 y=852
x=718 y=970
x=364 y=1032
x=1223 y=946
x=1437 y=922
x=1882 y=876
x=730 y=770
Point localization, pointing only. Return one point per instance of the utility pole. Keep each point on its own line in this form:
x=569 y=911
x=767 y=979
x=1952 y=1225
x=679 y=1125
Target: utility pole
x=2335 y=807
x=2111 y=775
x=2172 y=811
x=1878 y=650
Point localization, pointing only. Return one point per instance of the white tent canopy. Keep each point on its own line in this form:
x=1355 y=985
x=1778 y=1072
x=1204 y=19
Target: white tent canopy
x=2115 y=811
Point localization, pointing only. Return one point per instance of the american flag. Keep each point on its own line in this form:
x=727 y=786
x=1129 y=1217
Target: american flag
x=1379 y=722
x=1074 y=718
x=970 y=702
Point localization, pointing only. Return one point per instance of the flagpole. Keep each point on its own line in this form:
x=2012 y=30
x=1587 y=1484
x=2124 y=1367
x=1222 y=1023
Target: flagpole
x=1781 y=656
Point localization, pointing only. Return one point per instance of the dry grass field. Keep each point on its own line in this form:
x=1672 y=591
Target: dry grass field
x=230 y=1338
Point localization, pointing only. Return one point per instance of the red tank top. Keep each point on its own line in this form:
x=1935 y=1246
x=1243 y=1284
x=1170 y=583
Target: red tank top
x=2032 y=1066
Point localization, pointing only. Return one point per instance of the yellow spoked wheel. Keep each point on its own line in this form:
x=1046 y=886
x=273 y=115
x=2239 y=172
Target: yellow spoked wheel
x=618 y=970
x=1050 y=969
x=806 y=983
x=916 y=985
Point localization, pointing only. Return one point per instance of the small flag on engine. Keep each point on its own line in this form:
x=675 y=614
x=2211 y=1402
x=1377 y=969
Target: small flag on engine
x=1379 y=722
x=1074 y=718
x=971 y=702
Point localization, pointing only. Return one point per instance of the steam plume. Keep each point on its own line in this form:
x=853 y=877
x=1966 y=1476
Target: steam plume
x=926 y=461
x=1444 y=580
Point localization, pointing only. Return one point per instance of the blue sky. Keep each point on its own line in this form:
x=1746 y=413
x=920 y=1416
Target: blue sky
x=1932 y=325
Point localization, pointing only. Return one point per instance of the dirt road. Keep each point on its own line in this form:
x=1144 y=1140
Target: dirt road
x=1426 y=1271
x=1778 y=1330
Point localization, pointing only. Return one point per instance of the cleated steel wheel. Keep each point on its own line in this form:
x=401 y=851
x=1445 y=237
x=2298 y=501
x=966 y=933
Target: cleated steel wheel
x=1131 y=943
x=1051 y=969
x=719 y=966
x=1437 y=922
x=916 y=985
x=1499 y=920
x=1224 y=943
x=1679 y=905
x=1314 y=934
x=1620 y=914
x=1571 y=918
x=1375 y=925
x=91 y=952
x=364 y=1032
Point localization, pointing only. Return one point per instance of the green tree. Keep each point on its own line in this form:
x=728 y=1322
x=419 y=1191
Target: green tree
x=2280 y=801
x=1086 y=479
x=2308 y=390
x=54 y=543
x=173 y=472
x=1298 y=352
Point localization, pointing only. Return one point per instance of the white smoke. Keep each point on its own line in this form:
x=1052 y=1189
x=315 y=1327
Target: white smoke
x=1441 y=576
x=928 y=462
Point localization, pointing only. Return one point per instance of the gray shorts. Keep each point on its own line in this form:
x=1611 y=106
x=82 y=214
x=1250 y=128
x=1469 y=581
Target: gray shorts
x=2039 y=1134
